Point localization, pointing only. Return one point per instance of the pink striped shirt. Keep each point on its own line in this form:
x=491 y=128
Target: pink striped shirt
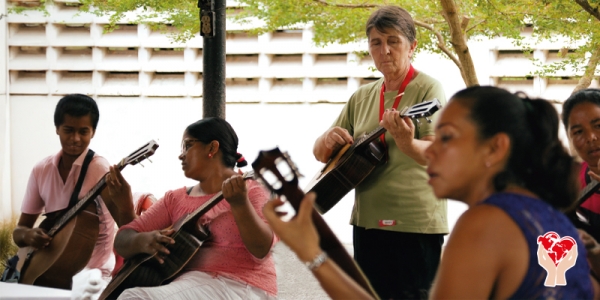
x=224 y=253
x=47 y=193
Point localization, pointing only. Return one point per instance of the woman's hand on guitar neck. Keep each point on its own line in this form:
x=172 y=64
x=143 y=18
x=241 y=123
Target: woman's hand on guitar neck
x=594 y=175
x=301 y=236
x=299 y=233
x=235 y=190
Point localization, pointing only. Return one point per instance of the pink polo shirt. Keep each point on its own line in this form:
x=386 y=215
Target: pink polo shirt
x=47 y=193
x=224 y=253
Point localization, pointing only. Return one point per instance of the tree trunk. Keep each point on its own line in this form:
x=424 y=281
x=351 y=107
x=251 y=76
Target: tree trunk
x=590 y=69
x=459 y=42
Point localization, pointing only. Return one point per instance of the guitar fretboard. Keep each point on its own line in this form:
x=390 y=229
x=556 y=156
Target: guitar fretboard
x=202 y=209
x=587 y=191
x=89 y=196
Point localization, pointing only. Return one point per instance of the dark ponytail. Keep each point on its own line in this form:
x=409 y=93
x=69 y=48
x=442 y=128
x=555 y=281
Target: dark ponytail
x=216 y=129
x=537 y=160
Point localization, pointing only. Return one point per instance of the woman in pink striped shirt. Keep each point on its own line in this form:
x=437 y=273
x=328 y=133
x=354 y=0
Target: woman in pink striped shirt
x=235 y=261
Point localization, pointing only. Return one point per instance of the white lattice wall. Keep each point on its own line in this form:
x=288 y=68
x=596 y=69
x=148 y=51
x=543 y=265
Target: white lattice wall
x=55 y=54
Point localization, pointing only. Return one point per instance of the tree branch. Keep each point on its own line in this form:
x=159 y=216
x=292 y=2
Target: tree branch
x=587 y=7
x=459 y=43
x=464 y=23
x=441 y=43
x=363 y=5
x=475 y=25
x=590 y=69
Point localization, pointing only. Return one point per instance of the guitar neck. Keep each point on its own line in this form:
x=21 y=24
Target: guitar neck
x=369 y=137
x=202 y=209
x=330 y=244
x=81 y=204
x=588 y=191
x=192 y=217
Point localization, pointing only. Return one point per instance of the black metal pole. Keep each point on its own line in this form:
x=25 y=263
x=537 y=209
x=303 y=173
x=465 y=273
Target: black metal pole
x=212 y=30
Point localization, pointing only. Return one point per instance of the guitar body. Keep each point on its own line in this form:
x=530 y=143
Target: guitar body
x=66 y=255
x=143 y=270
x=344 y=172
x=354 y=162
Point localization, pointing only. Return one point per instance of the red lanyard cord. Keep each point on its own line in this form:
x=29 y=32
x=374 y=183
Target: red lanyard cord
x=407 y=79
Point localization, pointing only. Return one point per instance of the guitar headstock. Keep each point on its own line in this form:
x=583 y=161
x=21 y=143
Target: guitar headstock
x=422 y=110
x=277 y=171
x=140 y=154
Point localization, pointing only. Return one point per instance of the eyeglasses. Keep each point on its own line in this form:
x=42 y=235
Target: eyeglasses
x=186 y=144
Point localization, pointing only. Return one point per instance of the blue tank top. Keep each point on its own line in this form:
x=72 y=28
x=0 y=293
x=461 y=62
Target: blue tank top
x=535 y=218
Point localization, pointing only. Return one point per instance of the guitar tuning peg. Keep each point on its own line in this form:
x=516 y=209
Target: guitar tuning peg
x=418 y=121
x=138 y=160
x=149 y=160
x=428 y=120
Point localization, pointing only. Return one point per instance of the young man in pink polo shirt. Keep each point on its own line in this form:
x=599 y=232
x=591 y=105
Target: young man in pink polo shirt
x=53 y=180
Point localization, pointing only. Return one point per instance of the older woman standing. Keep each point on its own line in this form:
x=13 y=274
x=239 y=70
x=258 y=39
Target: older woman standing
x=398 y=222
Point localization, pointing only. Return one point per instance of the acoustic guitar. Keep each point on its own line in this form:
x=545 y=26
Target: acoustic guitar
x=354 y=162
x=277 y=171
x=74 y=234
x=144 y=270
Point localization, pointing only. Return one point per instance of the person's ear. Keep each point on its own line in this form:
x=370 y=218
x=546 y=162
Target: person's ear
x=413 y=46
x=498 y=149
x=214 y=147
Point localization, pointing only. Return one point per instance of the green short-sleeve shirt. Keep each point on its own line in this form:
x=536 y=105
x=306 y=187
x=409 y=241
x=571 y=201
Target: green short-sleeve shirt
x=395 y=196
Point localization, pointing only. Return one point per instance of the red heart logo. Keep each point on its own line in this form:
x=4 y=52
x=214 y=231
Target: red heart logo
x=556 y=247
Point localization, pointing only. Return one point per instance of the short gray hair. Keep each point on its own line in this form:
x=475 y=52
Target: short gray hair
x=392 y=17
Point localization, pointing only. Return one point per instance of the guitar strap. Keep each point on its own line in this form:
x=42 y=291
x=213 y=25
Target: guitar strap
x=48 y=222
x=84 y=167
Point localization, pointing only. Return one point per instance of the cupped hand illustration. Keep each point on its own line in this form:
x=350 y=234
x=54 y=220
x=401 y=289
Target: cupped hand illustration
x=565 y=264
x=548 y=264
